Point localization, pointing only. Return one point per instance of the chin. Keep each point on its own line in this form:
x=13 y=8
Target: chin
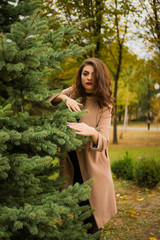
x=89 y=88
x=88 y=91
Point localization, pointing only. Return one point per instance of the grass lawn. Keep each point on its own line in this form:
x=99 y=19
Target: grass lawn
x=138 y=216
x=137 y=143
x=135 y=153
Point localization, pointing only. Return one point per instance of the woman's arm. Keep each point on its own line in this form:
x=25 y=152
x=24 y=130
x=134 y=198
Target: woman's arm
x=100 y=137
x=85 y=130
x=64 y=96
x=103 y=129
x=95 y=137
x=58 y=98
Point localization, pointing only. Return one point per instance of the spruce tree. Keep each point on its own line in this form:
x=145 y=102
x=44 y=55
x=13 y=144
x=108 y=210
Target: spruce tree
x=12 y=10
x=31 y=203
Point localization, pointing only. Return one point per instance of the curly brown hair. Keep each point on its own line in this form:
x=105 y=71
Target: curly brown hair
x=102 y=87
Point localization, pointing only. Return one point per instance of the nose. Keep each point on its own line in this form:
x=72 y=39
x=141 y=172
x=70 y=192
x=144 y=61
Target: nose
x=90 y=76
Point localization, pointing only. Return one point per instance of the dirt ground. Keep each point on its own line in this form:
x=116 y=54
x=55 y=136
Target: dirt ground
x=138 y=216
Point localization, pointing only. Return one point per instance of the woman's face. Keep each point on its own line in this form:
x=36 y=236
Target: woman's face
x=87 y=78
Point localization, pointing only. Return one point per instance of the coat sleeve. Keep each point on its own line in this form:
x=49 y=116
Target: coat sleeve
x=64 y=92
x=103 y=130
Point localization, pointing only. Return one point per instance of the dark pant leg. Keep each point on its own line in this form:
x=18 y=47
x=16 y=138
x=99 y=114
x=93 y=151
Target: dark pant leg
x=78 y=178
x=90 y=219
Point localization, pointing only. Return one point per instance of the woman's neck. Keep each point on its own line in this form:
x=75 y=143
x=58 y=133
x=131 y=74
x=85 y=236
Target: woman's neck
x=89 y=94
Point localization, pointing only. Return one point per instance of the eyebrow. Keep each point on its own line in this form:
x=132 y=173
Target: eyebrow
x=87 y=71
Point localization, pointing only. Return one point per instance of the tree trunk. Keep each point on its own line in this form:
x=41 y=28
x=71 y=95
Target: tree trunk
x=126 y=112
x=148 y=106
x=115 y=139
x=98 y=26
x=157 y=23
x=126 y=117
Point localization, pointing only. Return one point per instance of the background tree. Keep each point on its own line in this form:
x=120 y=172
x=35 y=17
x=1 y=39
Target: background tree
x=138 y=77
x=130 y=91
x=151 y=23
x=118 y=16
x=74 y=11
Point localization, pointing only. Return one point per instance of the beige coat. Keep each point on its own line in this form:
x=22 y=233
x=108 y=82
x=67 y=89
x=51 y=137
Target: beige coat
x=94 y=162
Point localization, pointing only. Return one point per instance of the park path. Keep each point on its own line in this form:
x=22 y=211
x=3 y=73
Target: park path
x=138 y=128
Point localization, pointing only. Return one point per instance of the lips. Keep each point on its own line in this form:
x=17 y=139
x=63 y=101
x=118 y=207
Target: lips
x=89 y=83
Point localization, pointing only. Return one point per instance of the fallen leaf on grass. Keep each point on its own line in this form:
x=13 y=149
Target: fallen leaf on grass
x=109 y=227
x=106 y=228
x=152 y=238
x=140 y=199
x=124 y=197
x=132 y=212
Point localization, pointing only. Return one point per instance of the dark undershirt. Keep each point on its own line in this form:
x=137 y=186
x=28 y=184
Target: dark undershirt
x=77 y=171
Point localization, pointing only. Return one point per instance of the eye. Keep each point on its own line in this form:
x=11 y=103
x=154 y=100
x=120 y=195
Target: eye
x=85 y=74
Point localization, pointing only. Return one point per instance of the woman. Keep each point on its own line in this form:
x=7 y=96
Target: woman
x=93 y=84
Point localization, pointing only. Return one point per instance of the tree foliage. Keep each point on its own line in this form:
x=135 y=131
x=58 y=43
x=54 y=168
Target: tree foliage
x=31 y=204
x=11 y=12
x=151 y=24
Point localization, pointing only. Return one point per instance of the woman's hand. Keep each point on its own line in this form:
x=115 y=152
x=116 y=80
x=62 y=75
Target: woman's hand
x=85 y=130
x=71 y=103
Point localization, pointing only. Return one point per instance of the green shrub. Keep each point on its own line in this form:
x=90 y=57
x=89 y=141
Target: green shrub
x=123 y=167
x=146 y=172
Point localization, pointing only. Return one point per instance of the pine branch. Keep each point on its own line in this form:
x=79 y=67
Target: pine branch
x=2 y=44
